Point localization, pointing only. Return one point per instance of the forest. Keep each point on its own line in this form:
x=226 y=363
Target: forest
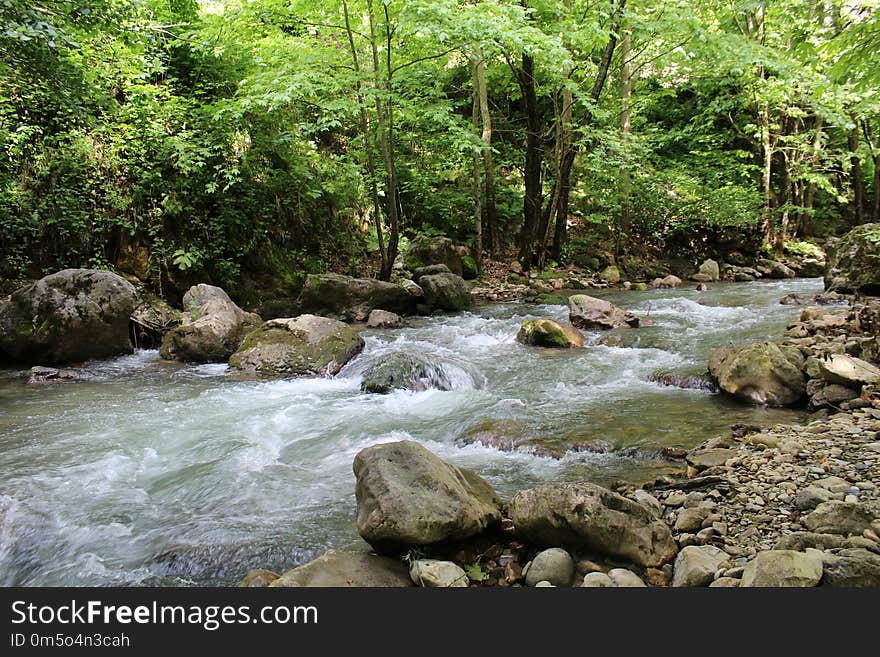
x=250 y=143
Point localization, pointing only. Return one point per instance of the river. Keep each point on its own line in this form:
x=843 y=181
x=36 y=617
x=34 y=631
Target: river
x=154 y=473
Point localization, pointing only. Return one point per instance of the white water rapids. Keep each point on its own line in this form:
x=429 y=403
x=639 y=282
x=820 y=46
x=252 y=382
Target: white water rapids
x=151 y=473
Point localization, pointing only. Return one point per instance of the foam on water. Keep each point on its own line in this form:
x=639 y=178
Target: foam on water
x=148 y=472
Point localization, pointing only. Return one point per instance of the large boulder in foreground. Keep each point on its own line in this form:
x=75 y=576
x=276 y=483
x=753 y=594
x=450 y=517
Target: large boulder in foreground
x=760 y=373
x=307 y=345
x=346 y=568
x=212 y=327
x=69 y=316
x=425 y=251
x=446 y=292
x=407 y=496
x=783 y=568
x=587 y=516
x=854 y=265
x=352 y=299
x=586 y=312
x=547 y=332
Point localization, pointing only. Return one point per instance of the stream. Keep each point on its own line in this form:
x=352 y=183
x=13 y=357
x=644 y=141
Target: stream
x=150 y=473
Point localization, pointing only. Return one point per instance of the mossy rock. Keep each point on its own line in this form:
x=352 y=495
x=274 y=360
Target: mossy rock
x=307 y=345
x=547 y=332
x=446 y=292
x=403 y=372
x=854 y=265
x=424 y=251
x=469 y=268
x=551 y=300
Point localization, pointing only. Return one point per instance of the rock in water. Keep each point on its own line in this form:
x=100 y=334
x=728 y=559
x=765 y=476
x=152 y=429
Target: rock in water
x=854 y=265
x=711 y=269
x=401 y=371
x=437 y=574
x=301 y=346
x=774 y=269
x=352 y=299
x=668 y=281
x=554 y=565
x=446 y=292
x=848 y=371
x=341 y=568
x=760 y=373
x=595 y=518
x=383 y=319
x=70 y=316
x=784 y=568
x=406 y=496
x=212 y=327
x=425 y=251
x=586 y=312
x=546 y=332
x=697 y=565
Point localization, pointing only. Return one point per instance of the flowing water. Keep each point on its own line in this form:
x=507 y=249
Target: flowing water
x=153 y=473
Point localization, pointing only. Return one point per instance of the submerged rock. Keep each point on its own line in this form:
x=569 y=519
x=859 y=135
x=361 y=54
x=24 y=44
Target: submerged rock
x=760 y=373
x=302 y=346
x=212 y=327
x=39 y=374
x=69 y=316
x=586 y=312
x=346 y=568
x=401 y=371
x=854 y=265
x=594 y=518
x=352 y=299
x=407 y=496
x=547 y=332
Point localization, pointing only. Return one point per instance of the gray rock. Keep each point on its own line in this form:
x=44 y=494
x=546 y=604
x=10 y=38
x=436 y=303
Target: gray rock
x=383 y=319
x=406 y=496
x=346 y=568
x=69 y=316
x=852 y=266
x=301 y=346
x=623 y=578
x=691 y=519
x=836 y=517
x=352 y=299
x=554 y=565
x=586 y=312
x=547 y=332
x=782 y=568
x=403 y=371
x=709 y=458
x=437 y=574
x=425 y=251
x=592 y=517
x=446 y=292
x=811 y=497
x=801 y=541
x=711 y=269
x=597 y=580
x=848 y=371
x=760 y=373
x=697 y=565
x=851 y=568
x=774 y=269
x=648 y=501
x=212 y=327
x=430 y=270
x=725 y=582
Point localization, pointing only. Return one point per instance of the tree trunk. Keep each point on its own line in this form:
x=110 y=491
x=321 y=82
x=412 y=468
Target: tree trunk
x=491 y=227
x=368 y=148
x=534 y=158
x=858 y=184
x=568 y=158
x=476 y=185
x=875 y=158
x=625 y=130
x=385 y=119
x=767 y=175
x=810 y=193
